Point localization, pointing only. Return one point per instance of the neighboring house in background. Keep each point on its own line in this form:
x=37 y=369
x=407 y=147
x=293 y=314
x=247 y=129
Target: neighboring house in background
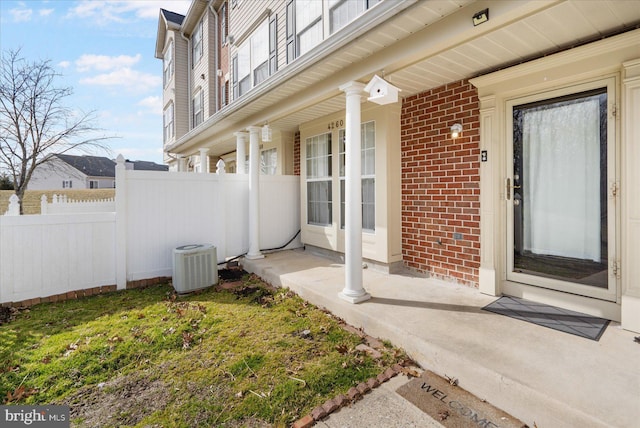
x=82 y=172
x=534 y=196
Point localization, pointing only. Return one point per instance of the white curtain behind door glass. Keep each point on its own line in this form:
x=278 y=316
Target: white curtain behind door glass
x=561 y=177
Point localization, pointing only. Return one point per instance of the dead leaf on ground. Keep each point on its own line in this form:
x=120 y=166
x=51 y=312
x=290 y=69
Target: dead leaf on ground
x=187 y=338
x=452 y=380
x=443 y=415
x=410 y=372
x=20 y=393
x=342 y=348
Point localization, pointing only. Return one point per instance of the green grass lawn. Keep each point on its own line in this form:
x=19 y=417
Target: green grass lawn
x=148 y=357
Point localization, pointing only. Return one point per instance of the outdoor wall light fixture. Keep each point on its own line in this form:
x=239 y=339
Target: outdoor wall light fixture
x=481 y=17
x=266 y=133
x=456 y=130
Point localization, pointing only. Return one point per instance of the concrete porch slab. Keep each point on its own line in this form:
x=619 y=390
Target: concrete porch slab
x=536 y=374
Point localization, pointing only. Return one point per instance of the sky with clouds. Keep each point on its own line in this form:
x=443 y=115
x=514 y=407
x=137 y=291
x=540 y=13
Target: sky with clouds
x=105 y=51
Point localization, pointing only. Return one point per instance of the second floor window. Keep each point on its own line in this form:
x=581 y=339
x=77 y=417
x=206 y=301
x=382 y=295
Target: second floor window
x=167 y=119
x=196 y=44
x=168 y=64
x=251 y=63
x=224 y=31
x=197 y=108
x=305 y=21
x=341 y=12
x=308 y=25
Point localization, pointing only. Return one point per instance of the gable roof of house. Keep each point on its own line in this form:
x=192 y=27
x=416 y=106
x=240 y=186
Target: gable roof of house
x=174 y=17
x=99 y=166
x=166 y=21
x=92 y=166
x=148 y=166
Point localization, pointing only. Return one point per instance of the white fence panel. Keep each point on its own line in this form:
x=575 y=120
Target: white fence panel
x=46 y=255
x=236 y=212
x=165 y=211
x=279 y=210
x=156 y=212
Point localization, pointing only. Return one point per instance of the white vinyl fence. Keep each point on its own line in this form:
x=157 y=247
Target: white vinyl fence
x=155 y=212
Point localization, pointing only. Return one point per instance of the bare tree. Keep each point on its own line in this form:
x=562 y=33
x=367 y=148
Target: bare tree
x=34 y=122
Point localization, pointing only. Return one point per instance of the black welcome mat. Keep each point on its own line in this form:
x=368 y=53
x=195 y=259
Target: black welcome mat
x=549 y=316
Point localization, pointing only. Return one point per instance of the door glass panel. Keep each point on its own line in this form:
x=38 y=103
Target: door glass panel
x=560 y=189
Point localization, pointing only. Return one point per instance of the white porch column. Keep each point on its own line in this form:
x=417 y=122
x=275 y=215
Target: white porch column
x=241 y=155
x=353 y=290
x=204 y=161
x=181 y=163
x=254 y=193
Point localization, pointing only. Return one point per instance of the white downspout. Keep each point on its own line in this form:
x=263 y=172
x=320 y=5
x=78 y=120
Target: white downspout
x=216 y=42
x=189 y=71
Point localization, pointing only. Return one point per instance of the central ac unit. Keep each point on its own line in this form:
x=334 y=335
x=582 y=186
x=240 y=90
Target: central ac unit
x=194 y=267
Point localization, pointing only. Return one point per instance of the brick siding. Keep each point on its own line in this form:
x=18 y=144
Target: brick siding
x=441 y=183
x=296 y=153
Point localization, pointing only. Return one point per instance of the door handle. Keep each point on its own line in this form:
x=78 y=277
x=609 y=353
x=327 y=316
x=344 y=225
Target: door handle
x=509 y=187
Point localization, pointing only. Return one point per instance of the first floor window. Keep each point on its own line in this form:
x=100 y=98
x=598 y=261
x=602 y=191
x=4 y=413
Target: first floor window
x=67 y=184
x=93 y=184
x=268 y=161
x=368 y=162
x=318 y=177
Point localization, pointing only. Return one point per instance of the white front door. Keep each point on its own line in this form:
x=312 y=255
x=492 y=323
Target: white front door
x=561 y=191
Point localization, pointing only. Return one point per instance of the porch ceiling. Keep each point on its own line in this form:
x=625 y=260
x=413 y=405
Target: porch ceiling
x=424 y=46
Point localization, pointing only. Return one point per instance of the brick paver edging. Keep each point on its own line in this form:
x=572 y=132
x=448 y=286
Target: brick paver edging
x=353 y=395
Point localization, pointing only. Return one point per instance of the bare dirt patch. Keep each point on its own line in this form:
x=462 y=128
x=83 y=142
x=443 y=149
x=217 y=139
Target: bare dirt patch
x=118 y=402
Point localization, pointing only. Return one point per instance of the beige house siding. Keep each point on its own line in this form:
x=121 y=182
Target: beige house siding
x=169 y=89
x=201 y=66
x=181 y=82
x=211 y=55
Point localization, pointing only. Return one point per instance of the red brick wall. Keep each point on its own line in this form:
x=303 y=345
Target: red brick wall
x=441 y=183
x=296 y=153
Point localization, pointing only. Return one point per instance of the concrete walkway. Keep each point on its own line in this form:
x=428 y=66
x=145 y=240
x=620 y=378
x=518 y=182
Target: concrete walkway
x=536 y=374
x=382 y=407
